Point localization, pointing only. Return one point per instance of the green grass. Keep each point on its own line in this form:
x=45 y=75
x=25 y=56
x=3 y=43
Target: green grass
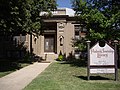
x=5 y=73
x=9 y=67
x=62 y=76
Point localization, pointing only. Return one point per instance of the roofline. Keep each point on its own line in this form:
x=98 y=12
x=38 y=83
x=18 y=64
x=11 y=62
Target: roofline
x=68 y=11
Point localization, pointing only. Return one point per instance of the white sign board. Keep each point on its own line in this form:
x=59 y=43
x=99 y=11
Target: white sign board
x=102 y=56
x=102 y=70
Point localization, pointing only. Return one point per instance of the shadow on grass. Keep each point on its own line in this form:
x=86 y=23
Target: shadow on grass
x=9 y=66
x=77 y=63
x=13 y=64
x=92 y=77
x=70 y=59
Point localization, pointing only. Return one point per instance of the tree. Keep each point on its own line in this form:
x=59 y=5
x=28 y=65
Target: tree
x=23 y=15
x=100 y=17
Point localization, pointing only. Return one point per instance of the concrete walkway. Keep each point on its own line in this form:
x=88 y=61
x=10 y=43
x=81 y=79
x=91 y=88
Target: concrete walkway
x=21 y=78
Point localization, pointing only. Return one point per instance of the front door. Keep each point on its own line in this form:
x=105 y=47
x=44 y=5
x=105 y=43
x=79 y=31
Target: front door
x=49 y=44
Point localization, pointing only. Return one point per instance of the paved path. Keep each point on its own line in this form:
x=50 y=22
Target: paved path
x=21 y=78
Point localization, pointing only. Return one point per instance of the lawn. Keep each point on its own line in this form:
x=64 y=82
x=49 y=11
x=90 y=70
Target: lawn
x=7 y=67
x=69 y=76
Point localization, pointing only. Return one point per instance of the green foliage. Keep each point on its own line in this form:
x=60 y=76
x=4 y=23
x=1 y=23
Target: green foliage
x=23 y=15
x=100 y=17
x=95 y=35
x=60 y=57
x=80 y=44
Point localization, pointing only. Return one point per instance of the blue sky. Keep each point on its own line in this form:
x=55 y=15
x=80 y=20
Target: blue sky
x=64 y=3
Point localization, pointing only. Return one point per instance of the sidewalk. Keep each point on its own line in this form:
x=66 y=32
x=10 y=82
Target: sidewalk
x=21 y=78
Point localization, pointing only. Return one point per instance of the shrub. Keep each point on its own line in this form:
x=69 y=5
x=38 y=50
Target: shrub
x=60 y=57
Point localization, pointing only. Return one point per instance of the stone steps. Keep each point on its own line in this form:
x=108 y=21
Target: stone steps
x=50 y=57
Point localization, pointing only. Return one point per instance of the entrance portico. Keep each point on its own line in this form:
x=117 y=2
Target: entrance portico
x=57 y=35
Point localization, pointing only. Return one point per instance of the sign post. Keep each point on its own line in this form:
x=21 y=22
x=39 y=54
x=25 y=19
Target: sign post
x=102 y=59
x=88 y=68
x=116 y=60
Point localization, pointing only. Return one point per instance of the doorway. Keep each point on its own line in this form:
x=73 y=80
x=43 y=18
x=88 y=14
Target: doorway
x=49 y=44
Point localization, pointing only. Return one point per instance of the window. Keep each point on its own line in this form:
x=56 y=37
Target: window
x=77 y=31
x=80 y=32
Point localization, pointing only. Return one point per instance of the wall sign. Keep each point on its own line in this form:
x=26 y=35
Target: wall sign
x=101 y=59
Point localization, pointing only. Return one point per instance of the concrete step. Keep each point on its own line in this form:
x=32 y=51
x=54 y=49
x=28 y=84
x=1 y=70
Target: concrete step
x=50 y=57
